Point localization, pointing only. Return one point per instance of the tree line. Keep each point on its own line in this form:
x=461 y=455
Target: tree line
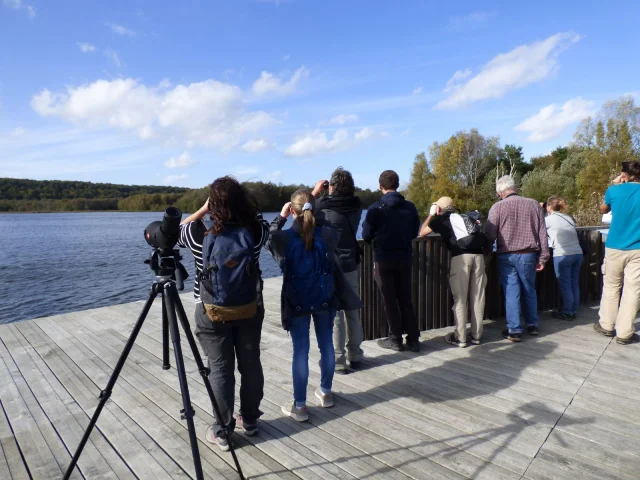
x=466 y=166
x=18 y=195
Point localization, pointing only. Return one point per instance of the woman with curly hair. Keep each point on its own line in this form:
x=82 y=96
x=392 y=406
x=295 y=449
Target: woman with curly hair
x=227 y=333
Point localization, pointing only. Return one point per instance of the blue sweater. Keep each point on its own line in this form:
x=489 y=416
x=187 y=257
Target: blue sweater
x=391 y=224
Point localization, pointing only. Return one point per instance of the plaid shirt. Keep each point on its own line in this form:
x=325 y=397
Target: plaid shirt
x=517 y=224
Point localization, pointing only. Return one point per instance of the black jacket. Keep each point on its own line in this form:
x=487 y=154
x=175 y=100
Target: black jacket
x=342 y=213
x=391 y=224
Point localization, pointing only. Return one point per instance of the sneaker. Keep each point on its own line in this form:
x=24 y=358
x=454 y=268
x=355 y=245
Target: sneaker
x=298 y=414
x=390 y=344
x=562 y=316
x=222 y=442
x=250 y=429
x=602 y=331
x=474 y=341
x=341 y=368
x=533 y=330
x=355 y=365
x=414 y=346
x=513 y=337
x=326 y=399
x=451 y=339
x=627 y=341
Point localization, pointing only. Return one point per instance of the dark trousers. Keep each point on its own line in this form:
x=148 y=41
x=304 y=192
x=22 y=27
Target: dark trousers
x=222 y=343
x=394 y=282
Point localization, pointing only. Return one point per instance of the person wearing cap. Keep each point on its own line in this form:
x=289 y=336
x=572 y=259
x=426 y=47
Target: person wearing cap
x=467 y=276
x=391 y=224
x=517 y=226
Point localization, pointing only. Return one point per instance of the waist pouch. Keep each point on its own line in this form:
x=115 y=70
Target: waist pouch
x=217 y=313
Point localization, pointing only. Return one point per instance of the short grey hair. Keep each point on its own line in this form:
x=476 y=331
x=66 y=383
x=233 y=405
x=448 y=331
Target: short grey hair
x=505 y=183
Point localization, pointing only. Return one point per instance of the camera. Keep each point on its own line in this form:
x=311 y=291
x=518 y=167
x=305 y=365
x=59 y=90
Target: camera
x=325 y=185
x=164 y=234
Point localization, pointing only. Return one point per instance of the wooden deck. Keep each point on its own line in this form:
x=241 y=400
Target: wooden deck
x=564 y=405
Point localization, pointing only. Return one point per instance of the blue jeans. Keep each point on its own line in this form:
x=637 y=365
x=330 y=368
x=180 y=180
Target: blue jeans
x=518 y=275
x=567 y=268
x=299 y=330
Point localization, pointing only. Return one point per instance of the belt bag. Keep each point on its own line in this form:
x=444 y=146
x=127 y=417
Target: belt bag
x=217 y=313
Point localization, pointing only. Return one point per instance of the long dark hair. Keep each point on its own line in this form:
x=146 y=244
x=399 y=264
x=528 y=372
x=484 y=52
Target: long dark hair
x=231 y=203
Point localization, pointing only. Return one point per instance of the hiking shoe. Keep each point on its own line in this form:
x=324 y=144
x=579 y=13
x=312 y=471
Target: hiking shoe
x=513 y=337
x=474 y=341
x=533 y=330
x=390 y=344
x=298 y=414
x=627 y=341
x=451 y=339
x=341 y=368
x=562 y=316
x=355 y=365
x=250 y=429
x=222 y=442
x=414 y=345
x=326 y=399
x=602 y=331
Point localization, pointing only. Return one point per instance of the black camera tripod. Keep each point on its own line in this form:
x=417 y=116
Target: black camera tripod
x=169 y=273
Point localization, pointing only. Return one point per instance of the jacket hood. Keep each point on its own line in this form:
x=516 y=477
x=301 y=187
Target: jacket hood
x=344 y=205
x=392 y=199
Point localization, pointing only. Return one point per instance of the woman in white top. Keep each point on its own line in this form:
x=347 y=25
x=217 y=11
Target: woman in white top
x=567 y=255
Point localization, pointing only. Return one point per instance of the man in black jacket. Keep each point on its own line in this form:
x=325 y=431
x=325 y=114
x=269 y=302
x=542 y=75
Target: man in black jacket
x=391 y=224
x=341 y=209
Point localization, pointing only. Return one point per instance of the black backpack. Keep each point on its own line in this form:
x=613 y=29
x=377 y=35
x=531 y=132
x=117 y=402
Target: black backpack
x=467 y=228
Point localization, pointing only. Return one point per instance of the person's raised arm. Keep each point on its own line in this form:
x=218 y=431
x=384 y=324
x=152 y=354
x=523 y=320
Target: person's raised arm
x=426 y=229
x=199 y=215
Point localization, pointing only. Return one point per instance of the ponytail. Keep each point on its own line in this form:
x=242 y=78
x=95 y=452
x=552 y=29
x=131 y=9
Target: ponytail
x=302 y=203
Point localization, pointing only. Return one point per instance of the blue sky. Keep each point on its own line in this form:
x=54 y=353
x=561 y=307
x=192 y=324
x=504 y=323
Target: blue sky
x=179 y=93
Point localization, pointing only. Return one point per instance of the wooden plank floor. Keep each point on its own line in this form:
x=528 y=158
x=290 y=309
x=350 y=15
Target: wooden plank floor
x=563 y=405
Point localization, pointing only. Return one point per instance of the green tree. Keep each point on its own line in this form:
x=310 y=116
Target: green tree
x=419 y=190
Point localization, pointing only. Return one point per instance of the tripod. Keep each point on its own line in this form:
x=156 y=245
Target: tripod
x=169 y=272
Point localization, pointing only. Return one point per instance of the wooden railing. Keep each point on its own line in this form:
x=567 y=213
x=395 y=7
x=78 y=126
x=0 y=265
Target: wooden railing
x=430 y=292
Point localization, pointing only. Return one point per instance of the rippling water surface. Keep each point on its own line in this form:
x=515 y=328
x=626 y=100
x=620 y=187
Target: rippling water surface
x=52 y=263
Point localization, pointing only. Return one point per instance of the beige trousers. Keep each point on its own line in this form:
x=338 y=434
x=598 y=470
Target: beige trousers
x=467 y=279
x=621 y=266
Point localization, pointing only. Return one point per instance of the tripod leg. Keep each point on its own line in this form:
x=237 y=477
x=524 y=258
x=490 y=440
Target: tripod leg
x=204 y=371
x=106 y=393
x=166 y=365
x=171 y=297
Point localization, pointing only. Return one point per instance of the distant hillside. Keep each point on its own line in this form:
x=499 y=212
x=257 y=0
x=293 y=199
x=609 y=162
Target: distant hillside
x=20 y=189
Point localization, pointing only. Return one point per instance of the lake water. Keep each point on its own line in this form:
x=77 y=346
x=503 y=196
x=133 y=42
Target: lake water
x=54 y=263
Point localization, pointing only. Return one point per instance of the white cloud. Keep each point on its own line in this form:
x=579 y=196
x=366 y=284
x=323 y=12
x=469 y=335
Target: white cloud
x=317 y=142
x=286 y=57
x=417 y=91
x=274 y=176
x=86 y=47
x=247 y=171
x=170 y=179
x=521 y=66
x=121 y=30
x=20 y=5
x=17 y=132
x=183 y=161
x=208 y=113
x=552 y=120
x=343 y=118
x=114 y=57
x=255 y=146
x=470 y=21
x=456 y=80
x=270 y=84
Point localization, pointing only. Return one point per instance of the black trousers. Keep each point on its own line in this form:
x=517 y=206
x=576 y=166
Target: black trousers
x=394 y=282
x=222 y=343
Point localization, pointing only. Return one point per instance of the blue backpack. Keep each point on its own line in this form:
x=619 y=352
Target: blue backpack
x=229 y=275
x=308 y=275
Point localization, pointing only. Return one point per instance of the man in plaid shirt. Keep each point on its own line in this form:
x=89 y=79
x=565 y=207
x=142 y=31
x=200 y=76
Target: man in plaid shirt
x=517 y=225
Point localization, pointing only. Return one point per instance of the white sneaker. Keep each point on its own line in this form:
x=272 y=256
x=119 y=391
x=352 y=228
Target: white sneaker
x=298 y=414
x=326 y=399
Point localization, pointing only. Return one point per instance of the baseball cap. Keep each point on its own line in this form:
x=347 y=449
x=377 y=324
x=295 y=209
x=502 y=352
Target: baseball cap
x=444 y=202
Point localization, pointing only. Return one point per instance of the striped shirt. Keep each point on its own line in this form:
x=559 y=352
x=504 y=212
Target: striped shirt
x=192 y=237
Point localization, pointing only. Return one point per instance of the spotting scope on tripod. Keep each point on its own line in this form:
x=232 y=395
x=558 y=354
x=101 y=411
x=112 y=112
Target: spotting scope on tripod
x=170 y=275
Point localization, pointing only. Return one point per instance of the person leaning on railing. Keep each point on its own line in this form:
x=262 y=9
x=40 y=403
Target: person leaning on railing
x=517 y=225
x=567 y=255
x=622 y=260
